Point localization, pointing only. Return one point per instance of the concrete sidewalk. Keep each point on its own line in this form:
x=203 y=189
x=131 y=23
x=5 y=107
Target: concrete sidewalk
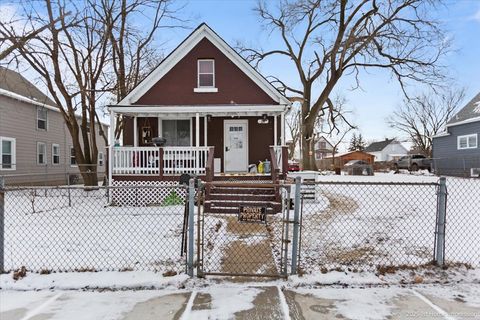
x=235 y=301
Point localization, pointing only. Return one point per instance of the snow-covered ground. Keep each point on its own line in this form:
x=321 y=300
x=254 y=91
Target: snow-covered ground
x=44 y=232
x=365 y=225
x=356 y=226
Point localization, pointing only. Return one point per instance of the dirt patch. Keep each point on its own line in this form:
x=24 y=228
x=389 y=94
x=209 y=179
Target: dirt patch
x=347 y=256
x=339 y=205
x=251 y=253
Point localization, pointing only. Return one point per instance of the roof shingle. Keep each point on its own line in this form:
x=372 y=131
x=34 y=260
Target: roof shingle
x=14 y=82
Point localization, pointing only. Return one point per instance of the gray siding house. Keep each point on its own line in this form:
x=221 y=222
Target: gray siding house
x=35 y=144
x=457 y=150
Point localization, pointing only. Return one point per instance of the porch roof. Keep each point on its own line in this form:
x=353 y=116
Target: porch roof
x=189 y=110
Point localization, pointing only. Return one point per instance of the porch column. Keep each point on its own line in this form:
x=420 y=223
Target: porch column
x=197 y=140
x=111 y=143
x=275 y=134
x=205 y=130
x=197 y=130
x=135 y=132
x=282 y=126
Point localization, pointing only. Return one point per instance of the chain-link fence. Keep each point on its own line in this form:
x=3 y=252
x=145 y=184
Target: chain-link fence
x=91 y=229
x=462 y=234
x=367 y=224
x=372 y=225
x=48 y=179
x=461 y=166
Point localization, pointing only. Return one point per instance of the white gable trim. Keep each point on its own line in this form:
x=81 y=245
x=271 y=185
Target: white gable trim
x=184 y=48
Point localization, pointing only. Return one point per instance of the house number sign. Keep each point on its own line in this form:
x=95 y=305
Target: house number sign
x=252 y=214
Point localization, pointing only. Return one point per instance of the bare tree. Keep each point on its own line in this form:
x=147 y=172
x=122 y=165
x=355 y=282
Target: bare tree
x=292 y=121
x=326 y=40
x=425 y=115
x=132 y=47
x=337 y=127
x=83 y=57
x=69 y=56
x=21 y=39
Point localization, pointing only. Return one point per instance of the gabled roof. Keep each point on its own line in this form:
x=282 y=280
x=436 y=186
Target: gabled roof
x=322 y=138
x=201 y=32
x=378 y=146
x=470 y=112
x=14 y=82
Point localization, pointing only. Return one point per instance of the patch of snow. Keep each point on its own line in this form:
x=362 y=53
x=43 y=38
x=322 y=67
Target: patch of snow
x=357 y=303
x=91 y=280
x=226 y=302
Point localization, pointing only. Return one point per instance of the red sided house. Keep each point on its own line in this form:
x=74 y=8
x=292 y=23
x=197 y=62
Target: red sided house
x=216 y=113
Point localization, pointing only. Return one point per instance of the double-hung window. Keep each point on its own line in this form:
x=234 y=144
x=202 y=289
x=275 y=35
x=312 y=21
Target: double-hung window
x=73 y=160
x=42 y=118
x=55 y=154
x=205 y=76
x=7 y=153
x=41 y=153
x=469 y=141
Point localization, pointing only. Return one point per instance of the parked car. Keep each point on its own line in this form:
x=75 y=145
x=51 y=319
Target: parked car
x=413 y=162
x=293 y=166
x=358 y=168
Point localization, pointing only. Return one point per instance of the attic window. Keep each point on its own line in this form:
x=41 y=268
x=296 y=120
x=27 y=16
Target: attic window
x=41 y=118
x=205 y=76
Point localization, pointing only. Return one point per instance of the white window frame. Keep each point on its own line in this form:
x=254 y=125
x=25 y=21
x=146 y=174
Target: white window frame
x=14 y=154
x=101 y=159
x=467 y=136
x=57 y=154
x=204 y=89
x=70 y=158
x=39 y=143
x=46 y=118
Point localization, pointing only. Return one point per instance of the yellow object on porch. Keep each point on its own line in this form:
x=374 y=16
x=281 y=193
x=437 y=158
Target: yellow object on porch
x=260 y=167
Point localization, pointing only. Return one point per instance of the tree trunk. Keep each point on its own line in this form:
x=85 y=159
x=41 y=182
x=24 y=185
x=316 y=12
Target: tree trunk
x=308 y=148
x=90 y=177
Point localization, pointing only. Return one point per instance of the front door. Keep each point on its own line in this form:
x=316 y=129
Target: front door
x=236 y=145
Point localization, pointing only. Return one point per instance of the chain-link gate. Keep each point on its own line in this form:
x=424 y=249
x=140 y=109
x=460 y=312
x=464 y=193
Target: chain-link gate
x=230 y=245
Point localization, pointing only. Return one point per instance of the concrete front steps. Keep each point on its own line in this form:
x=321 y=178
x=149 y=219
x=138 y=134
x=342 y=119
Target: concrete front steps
x=226 y=197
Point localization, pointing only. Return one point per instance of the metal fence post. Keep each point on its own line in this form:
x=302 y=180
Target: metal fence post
x=2 y=224
x=440 y=227
x=296 y=224
x=191 y=217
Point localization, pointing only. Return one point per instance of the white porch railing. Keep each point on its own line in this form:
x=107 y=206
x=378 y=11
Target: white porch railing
x=136 y=160
x=164 y=160
x=178 y=160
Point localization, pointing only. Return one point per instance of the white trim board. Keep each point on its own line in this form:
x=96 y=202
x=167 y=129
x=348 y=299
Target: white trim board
x=230 y=109
x=203 y=31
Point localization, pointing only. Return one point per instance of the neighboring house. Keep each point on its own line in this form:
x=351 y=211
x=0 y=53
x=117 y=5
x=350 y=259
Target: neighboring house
x=456 y=151
x=387 y=150
x=323 y=148
x=341 y=159
x=216 y=112
x=36 y=146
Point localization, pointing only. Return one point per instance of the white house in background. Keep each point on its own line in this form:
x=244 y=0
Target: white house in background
x=323 y=148
x=387 y=150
